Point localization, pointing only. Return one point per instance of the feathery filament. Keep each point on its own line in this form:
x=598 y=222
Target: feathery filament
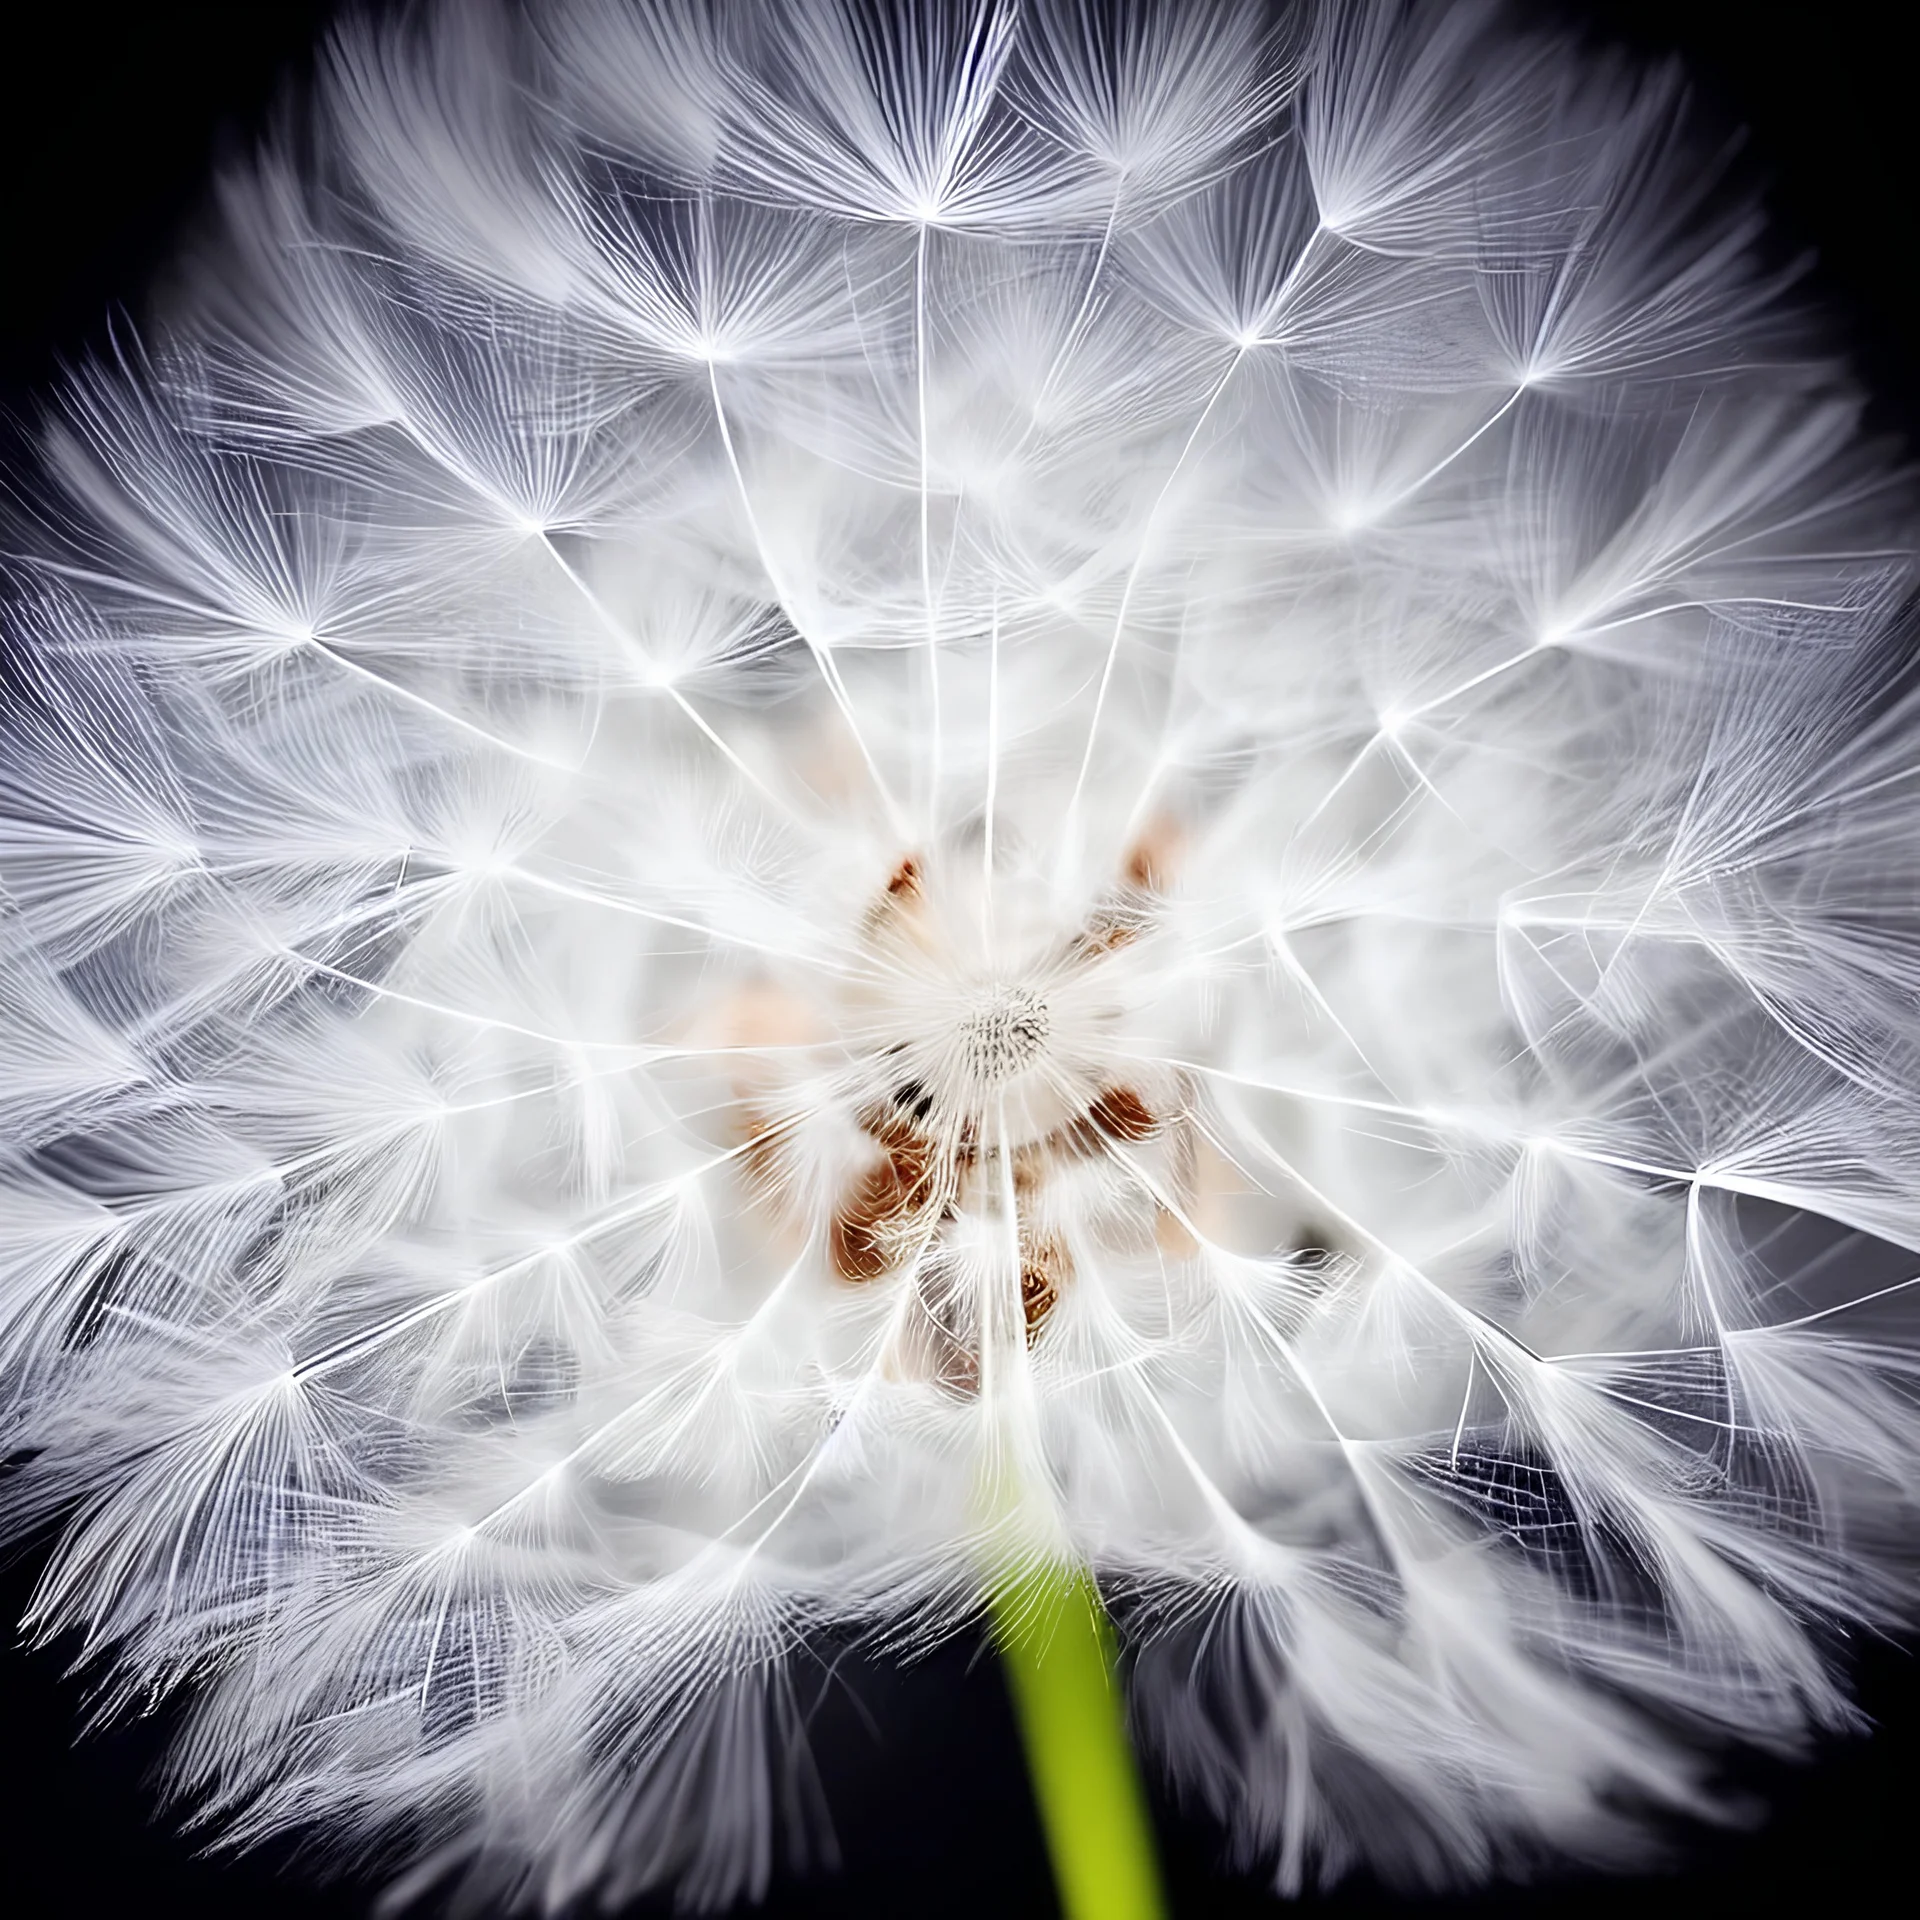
x=793 y=761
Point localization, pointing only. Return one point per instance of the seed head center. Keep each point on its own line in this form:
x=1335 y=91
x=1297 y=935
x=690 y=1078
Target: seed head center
x=1004 y=1033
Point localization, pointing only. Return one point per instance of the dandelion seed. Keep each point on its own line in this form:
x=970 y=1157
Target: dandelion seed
x=821 y=818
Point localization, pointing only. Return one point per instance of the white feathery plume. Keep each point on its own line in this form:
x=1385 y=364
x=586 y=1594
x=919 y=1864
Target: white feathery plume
x=805 y=800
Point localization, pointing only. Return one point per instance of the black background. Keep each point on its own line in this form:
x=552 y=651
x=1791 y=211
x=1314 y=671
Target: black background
x=113 y=119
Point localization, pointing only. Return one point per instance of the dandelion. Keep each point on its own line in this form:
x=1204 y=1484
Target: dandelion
x=815 y=818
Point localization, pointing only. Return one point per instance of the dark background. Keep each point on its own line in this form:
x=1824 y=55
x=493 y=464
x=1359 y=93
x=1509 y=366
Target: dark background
x=112 y=118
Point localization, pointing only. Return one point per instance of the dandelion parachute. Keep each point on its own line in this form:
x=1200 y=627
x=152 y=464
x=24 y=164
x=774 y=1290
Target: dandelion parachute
x=802 y=801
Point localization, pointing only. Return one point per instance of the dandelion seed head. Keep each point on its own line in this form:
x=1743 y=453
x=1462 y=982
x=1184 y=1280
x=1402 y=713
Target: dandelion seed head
x=808 y=797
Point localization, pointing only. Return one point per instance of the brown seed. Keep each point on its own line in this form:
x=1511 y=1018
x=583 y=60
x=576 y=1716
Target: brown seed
x=858 y=1242
x=1044 y=1268
x=1030 y=1167
x=897 y=909
x=1150 y=860
x=863 y=1238
x=1036 y=1300
x=1121 y=1114
x=893 y=1128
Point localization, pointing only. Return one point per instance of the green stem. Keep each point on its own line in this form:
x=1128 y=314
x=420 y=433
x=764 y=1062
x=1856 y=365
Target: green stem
x=1057 y=1644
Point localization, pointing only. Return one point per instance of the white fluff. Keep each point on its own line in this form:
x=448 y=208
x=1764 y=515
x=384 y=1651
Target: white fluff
x=806 y=796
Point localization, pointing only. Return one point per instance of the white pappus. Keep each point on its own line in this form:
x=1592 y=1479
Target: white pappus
x=804 y=799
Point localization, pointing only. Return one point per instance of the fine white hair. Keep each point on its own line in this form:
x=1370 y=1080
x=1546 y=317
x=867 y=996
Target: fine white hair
x=806 y=800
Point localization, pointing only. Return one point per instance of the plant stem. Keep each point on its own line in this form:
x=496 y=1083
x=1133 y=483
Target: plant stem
x=1054 y=1636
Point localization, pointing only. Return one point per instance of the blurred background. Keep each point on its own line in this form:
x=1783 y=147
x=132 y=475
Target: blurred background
x=114 y=119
